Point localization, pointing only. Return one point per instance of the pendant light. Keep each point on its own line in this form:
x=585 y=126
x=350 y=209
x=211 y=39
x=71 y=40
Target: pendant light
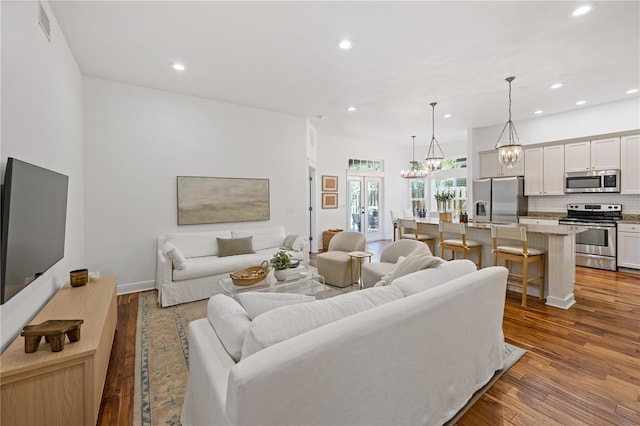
x=416 y=170
x=509 y=149
x=434 y=154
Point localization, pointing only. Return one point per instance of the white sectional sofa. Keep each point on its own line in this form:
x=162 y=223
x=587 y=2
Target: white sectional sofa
x=412 y=352
x=202 y=267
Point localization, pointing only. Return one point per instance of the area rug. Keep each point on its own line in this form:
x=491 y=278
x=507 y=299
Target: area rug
x=162 y=360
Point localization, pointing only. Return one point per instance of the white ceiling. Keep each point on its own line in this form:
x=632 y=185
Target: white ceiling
x=284 y=56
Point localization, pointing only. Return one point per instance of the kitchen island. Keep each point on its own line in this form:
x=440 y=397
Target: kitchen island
x=557 y=241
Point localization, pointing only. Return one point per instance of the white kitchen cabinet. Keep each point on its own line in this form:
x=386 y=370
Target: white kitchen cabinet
x=605 y=154
x=629 y=245
x=577 y=156
x=630 y=172
x=491 y=167
x=538 y=221
x=533 y=171
x=601 y=154
x=553 y=170
x=544 y=170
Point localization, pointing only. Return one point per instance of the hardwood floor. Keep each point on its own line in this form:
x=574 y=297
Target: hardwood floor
x=582 y=366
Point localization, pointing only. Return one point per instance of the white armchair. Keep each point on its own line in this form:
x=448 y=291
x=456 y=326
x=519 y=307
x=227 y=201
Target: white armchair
x=372 y=272
x=335 y=264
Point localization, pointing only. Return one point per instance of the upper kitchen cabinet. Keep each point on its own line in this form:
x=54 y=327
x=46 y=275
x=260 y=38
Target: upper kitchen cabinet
x=600 y=154
x=544 y=170
x=605 y=154
x=630 y=172
x=491 y=167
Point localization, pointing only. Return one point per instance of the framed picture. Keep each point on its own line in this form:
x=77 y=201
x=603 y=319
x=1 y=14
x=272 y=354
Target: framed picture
x=329 y=200
x=221 y=200
x=330 y=183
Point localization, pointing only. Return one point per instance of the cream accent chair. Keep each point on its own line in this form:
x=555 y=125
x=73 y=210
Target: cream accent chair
x=335 y=264
x=520 y=253
x=461 y=244
x=372 y=272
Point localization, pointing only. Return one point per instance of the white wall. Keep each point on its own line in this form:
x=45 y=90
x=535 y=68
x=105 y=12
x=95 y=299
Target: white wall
x=41 y=124
x=586 y=122
x=138 y=140
x=596 y=120
x=333 y=159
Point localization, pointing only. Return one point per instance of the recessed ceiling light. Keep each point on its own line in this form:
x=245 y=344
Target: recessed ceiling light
x=538 y=111
x=178 y=66
x=630 y=91
x=448 y=116
x=581 y=11
x=345 y=44
x=581 y=102
x=556 y=86
x=351 y=108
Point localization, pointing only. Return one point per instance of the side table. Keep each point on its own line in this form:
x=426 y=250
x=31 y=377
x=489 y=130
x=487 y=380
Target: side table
x=360 y=256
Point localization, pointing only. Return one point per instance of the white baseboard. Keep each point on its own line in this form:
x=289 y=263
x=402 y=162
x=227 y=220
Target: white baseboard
x=136 y=287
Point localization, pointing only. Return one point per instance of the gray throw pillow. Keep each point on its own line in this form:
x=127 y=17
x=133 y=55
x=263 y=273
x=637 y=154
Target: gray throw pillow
x=234 y=246
x=288 y=241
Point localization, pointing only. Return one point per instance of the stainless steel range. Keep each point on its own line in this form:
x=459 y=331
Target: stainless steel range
x=596 y=247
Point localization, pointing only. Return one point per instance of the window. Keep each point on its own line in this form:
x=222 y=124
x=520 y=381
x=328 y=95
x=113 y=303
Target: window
x=365 y=165
x=454 y=163
x=417 y=195
x=457 y=187
x=451 y=178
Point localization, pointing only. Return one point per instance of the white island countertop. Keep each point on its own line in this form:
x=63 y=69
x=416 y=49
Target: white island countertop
x=558 y=243
x=539 y=229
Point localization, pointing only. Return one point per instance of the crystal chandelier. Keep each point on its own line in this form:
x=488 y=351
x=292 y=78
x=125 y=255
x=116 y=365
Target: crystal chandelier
x=434 y=154
x=509 y=150
x=416 y=170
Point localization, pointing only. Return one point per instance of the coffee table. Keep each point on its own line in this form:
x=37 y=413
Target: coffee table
x=303 y=281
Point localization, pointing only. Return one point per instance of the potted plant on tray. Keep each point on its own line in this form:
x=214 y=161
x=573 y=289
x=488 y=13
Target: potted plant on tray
x=280 y=262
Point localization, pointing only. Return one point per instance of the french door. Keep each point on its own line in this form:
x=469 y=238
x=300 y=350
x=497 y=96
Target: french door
x=363 y=212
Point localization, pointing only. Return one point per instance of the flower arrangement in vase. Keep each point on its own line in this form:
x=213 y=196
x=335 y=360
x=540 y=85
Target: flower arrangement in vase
x=443 y=199
x=280 y=262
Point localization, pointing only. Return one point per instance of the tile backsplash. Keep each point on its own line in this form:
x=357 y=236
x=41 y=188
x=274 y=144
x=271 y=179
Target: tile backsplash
x=630 y=203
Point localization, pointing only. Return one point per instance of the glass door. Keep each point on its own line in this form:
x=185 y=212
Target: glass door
x=364 y=194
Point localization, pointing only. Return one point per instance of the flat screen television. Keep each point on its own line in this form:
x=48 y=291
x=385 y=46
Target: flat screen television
x=34 y=216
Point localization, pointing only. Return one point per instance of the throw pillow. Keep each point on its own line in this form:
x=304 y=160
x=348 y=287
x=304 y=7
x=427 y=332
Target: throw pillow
x=174 y=255
x=294 y=242
x=256 y=303
x=420 y=258
x=287 y=244
x=234 y=246
x=230 y=322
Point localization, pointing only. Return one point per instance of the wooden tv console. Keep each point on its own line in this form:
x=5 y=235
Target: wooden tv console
x=62 y=388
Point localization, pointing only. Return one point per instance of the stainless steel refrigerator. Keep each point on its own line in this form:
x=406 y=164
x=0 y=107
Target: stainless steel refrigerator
x=482 y=200
x=499 y=199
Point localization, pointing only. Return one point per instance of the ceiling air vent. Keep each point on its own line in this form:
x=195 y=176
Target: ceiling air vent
x=43 y=20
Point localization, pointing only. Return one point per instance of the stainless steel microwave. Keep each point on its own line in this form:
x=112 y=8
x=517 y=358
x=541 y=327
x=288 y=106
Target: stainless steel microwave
x=592 y=181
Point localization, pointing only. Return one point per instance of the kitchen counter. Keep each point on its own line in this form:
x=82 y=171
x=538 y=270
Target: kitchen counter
x=630 y=218
x=539 y=229
x=557 y=241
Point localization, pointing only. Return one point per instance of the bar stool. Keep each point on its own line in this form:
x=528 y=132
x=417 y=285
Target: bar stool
x=409 y=230
x=395 y=215
x=461 y=245
x=520 y=253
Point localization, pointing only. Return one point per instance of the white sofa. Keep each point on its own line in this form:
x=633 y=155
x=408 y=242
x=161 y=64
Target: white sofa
x=203 y=268
x=416 y=359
